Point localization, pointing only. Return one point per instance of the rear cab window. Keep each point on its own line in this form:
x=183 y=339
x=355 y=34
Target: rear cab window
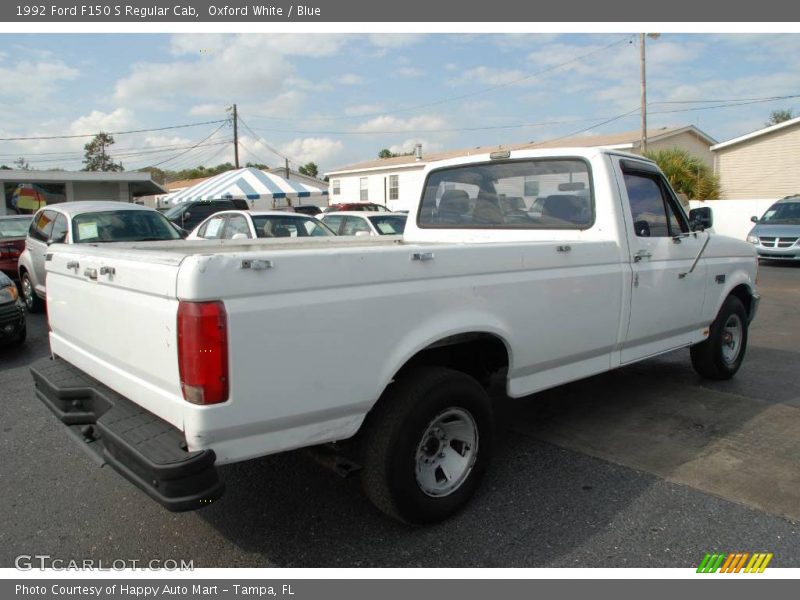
x=549 y=193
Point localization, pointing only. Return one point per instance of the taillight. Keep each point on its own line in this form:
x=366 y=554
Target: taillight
x=203 y=351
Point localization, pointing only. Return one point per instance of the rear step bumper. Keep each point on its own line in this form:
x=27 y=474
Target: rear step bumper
x=143 y=448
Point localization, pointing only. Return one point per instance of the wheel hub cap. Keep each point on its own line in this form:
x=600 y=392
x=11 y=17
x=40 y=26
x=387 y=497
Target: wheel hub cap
x=446 y=452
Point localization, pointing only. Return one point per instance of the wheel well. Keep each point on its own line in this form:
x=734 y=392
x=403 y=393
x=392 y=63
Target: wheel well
x=477 y=354
x=742 y=292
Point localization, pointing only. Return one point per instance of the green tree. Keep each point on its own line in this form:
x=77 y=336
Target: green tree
x=310 y=169
x=686 y=173
x=261 y=166
x=779 y=116
x=22 y=164
x=386 y=153
x=97 y=158
x=156 y=174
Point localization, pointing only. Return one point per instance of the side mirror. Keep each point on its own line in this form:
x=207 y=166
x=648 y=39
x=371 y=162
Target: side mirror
x=754 y=219
x=701 y=218
x=642 y=228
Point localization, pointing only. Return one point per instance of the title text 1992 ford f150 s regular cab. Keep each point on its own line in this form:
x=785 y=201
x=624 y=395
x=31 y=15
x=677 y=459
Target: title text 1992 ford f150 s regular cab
x=171 y=358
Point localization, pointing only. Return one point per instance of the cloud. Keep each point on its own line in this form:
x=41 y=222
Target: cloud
x=212 y=65
x=485 y=75
x=409 y=144
x=394 y=40
x=30 y=80
x=392 y=124
x=410 y=72
x=350 y=79
x=318 y=150
x=362 y=109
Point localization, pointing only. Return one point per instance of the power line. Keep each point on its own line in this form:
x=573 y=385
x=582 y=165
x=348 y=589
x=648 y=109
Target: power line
x=268 y=146
x=222 y=124
x=445 y=100
x=82 y=135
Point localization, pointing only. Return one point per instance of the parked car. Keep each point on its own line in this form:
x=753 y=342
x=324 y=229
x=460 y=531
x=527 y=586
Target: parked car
x=12 y=313
x=13 y=229
x=776 y=234
x=356 y=206
x=308 y=209
x=403 y=332
x=86 y=222
x=188 y=215
x=239 y=224
x=365 y=223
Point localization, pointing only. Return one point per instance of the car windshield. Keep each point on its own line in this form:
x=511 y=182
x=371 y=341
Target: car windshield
x=122 y=226
x=786 y=213
x=174 y=211
x=14 y=227
x=389 y=225
x=287 y=226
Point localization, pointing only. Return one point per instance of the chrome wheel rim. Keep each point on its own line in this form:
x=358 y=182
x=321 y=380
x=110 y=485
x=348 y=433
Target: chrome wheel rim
x=732 y=335
x=27 y=292
x=446 y=453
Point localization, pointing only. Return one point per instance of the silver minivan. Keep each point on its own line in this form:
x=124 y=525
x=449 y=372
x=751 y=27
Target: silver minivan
x=776 y=234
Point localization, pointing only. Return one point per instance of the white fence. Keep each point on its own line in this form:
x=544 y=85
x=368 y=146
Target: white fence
x=732 y=217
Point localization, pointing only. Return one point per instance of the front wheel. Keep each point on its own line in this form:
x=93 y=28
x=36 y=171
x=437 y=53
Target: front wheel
x=33 y=303
x=427 y=444
x=721 y=355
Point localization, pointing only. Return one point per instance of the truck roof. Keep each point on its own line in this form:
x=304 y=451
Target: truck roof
x=80 y=207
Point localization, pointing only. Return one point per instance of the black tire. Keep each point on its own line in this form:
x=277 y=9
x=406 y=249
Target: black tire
x=33 y=303
x=393 y=441
x=709 y=358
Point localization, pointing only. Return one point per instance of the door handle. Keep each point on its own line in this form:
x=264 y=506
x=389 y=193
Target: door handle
x=642 y=254
x=422 y=256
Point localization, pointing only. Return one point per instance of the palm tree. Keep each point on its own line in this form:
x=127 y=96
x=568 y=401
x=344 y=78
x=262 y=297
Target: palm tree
x=686 y=173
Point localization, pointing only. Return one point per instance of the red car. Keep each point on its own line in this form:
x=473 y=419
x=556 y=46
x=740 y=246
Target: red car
x=13 y=230
x=360 y=206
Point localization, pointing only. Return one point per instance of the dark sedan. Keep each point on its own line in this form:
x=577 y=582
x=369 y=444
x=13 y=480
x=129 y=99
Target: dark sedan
x=13 y=230
x=12 y=313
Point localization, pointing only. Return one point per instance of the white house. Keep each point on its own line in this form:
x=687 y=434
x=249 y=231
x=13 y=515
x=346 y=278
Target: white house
x=397 y=182
x=761 y=164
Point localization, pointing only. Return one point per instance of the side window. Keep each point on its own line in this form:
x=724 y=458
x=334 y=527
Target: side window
x=59 y=233
x=394 y=187
x=363 y=185
x=336 y=185
x=213 y=229
x=651 y=207
x=236 y=224
x=42 y=226
x=353 y=225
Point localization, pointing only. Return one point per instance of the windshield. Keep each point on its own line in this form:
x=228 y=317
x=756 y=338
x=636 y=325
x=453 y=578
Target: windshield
x=174 y=211
x=287 y=226
x=122 y=226
x=389 y=225
x=787 y=213
x=14 y=227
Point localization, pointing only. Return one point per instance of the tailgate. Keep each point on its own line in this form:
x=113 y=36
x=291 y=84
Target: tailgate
x=113 y=315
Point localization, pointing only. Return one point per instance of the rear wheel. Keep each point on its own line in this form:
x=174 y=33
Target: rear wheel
x=427 y=444
x=721 y=355
x=33 y=303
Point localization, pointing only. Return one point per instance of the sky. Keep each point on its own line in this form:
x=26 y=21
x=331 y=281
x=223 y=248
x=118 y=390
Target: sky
x=336 y=99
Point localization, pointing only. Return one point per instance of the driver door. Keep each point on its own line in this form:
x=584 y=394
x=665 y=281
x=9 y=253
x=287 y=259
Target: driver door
x=666 y=299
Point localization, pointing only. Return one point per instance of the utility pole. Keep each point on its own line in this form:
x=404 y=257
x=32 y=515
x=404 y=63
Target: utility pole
x=235 y=137
x=287 y=166
x=643 y=78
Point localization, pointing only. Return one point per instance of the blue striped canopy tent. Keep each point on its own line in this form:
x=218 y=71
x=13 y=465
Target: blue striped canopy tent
x=249 y=184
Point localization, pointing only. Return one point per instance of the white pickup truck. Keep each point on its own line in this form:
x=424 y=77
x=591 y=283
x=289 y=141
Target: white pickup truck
x=172 y=358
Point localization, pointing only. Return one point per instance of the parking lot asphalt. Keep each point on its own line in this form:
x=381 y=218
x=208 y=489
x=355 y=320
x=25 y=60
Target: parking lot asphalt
x=646 y=466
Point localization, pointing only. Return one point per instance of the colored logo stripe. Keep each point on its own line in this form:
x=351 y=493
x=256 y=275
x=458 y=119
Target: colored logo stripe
x=733 y=562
